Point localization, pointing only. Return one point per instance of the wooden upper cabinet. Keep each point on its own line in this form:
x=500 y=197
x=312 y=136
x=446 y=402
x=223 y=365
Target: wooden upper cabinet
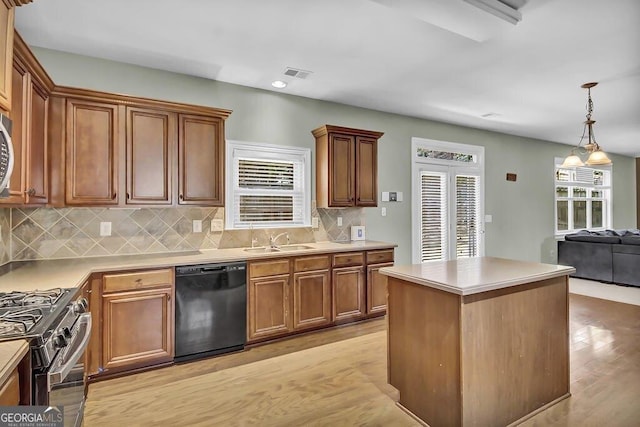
x=150 y=143
x=92 y=139
x=37 y=166
x=346 y=166
x=367 y=171
x=201 y=160
x=342 y=157
x=31 y=87
x=6 y=55
x=19 y=133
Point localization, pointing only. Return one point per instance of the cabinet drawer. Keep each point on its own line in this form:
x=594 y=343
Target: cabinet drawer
x=269 y=268
x=348 y=258
x=375 y=257
x=137 y=280
x=309 y=263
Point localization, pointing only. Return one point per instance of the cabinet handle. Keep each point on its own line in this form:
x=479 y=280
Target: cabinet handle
x=30 y=192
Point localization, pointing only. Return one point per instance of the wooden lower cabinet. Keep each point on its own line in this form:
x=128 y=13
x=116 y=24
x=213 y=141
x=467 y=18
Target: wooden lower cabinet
x=133 y=321
x=376 y=289
x=348 y=293
x=311 y=299
x=291 y=295
x=268 y=302
x=137 y=328
x=10 y=390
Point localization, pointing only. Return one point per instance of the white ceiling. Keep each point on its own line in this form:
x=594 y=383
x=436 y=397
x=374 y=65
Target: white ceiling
x=439 y=59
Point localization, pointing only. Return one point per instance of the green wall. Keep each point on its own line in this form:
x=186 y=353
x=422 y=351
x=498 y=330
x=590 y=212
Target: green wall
x=522 y=226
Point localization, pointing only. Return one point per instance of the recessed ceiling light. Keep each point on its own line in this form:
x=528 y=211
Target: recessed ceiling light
x=279 y=84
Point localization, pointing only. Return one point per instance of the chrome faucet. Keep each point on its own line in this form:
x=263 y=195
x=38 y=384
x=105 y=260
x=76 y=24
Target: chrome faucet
x=273 y=240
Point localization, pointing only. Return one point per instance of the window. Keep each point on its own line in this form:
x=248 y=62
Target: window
x=582 y=198
x=447 y=202
x=267 y=186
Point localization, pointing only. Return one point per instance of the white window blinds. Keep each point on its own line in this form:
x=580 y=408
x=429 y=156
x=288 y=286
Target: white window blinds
x=467 y=216
x=269 y=186
x=433 y=225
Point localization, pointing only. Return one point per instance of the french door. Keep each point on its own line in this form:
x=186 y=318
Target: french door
x=447 y=210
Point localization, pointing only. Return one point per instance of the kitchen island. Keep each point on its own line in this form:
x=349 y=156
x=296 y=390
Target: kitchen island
x=478 y=341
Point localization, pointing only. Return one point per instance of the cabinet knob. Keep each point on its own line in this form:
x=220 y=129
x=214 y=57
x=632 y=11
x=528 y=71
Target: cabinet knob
x=30 y=192
x=128 y=197
x=115 y=196
x=181 y=197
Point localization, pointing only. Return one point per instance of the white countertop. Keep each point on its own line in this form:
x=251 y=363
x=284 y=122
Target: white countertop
x=474 y=275
x=70 y=273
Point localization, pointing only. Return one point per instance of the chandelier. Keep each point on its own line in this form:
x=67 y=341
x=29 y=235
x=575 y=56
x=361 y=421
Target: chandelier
x=596 y=155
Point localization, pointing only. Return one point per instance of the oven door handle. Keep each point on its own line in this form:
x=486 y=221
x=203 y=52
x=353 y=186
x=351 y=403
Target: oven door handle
x=58 y=375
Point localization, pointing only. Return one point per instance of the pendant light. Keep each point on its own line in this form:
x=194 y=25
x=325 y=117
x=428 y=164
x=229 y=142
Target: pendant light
x=596 y=155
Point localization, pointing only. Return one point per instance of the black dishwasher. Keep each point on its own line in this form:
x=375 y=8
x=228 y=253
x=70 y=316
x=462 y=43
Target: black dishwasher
x=211 y=309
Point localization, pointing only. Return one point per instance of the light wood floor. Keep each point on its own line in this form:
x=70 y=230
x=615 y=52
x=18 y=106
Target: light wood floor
x=338 y=378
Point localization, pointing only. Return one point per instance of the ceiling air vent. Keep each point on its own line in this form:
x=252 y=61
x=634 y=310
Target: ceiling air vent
x=295 y=72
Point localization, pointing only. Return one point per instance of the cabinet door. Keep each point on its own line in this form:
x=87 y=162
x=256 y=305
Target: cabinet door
x=150 y=143
x=366 y=172
x=137 y=328
x=341 y=170
x=376 y=289
x=268 y=309
x=37 y=166
x=19 y=133
x=201 y=160
x=6 y=55
x=311 y=299
x=92 y=138
x=348 y=293
x=10 y=390
x=93 y=356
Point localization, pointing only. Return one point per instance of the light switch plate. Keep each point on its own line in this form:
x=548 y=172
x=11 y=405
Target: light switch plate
x=197 y=226
x=385 y=196
x=314 y=223
x=488 y=218
x=383 y=211
x=105 y=229
x=217 y=225
x=339 y=221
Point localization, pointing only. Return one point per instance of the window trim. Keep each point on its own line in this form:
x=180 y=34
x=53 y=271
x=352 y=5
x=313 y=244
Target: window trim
x=608 y=200
x=264 y=151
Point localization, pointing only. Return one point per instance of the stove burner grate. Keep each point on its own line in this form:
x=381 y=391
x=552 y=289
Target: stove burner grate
x=25 y=299
x=19 y=321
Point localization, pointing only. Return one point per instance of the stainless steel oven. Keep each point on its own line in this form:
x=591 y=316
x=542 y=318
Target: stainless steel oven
x=58 y=330
x=62 y=383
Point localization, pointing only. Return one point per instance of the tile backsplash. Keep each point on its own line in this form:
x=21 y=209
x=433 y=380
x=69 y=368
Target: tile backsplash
x=51 y=233
x=5 y=235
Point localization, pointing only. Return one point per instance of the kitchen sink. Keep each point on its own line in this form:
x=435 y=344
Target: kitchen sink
x=261 y=250
x=294 y=247
x=285 y=248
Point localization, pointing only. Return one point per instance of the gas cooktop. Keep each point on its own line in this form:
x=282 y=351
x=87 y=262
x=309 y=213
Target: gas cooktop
x=28 y=314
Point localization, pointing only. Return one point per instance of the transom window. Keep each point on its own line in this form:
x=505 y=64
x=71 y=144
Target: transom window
x=582 y=198
x=267 y=186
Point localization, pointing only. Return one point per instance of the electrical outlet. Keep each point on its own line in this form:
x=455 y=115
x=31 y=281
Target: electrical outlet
x=339 y=221
x=216 y=225
x=105 y=229
x=197 y=226
x=314 y=223
x=383 y=211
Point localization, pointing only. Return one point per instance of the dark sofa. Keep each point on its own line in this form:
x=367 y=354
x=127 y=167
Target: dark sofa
x=611 y=256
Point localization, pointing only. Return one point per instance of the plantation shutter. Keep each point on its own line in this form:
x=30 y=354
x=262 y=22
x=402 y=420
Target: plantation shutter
x=433 y=225
x=269 y=191
x=467 y=216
